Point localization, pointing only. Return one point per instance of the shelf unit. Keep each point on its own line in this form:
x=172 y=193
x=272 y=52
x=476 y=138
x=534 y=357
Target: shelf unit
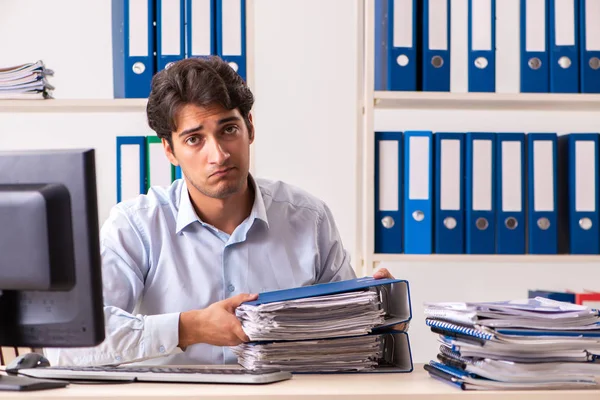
x=73 y=105
x=373 y=101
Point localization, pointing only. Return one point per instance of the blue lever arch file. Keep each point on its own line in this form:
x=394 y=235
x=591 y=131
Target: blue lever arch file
x=482 y=44
x=133 y=47
x=388 y=193
x=480 y=193
x=542 y=190
x=231 y=33
x=535 y=69
x=131 y=167
x=564 y=46
x=449 y=218
x=200 y=28
x=589 y=46
x=170 y=32
x=436 y=45
x=510 y=173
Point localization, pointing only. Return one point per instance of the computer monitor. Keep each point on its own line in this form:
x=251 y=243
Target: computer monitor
x=50 y=272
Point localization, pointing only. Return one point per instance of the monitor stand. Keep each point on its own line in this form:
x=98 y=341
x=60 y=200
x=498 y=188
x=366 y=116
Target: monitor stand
x=23 y=383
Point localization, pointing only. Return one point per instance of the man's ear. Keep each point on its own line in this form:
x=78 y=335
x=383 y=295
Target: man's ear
x=169 y=152
x=250 y=128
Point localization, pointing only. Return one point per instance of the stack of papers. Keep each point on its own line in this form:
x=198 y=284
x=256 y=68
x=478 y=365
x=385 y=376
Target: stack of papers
x=27 y=81
x=523 y=344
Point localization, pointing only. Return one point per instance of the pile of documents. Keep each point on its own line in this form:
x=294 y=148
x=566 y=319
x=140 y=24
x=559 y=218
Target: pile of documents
x=326 y=328
x=27 y=81
x=534 y=343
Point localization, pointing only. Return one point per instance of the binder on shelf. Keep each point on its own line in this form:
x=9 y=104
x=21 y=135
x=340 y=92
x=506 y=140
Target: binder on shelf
x=231 y=33
x=580 y=150
x=418 y=194
x=200 y=28
x=396 y=45
x=535 y=58
x=564 y=46
x=542 y=193
x=449 y=216
x=482 y=44
x=459 y=46
x=480 y=193
x=159 y=170
x=178 y=174
x=133 y=47
x=508 y=46
x=131 y=167
x=436 y=46
x=510 y=202
x=170 y=32
x=388 y=193
x=589 y=46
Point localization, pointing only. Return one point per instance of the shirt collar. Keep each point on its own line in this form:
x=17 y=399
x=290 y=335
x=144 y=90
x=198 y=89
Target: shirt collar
x=187 y=215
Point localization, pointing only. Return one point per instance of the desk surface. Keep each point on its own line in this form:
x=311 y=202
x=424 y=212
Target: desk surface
x=416 y=385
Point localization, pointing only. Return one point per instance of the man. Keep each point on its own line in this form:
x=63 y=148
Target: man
x=179 y=260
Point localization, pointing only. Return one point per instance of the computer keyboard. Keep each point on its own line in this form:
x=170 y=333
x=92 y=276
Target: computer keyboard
x=160 y=373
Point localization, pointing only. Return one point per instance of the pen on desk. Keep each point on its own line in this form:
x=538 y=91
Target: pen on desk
x=460 y=336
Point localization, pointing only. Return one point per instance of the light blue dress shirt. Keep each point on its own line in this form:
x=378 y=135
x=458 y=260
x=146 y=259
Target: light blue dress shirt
x=160 y=259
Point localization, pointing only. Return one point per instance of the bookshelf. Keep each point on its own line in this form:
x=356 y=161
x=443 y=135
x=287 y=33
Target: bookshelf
x=455 y=112
x=73 y=105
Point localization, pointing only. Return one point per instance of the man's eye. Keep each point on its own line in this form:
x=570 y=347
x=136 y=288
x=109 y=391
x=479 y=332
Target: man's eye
x=193 y=140
x=231 y=129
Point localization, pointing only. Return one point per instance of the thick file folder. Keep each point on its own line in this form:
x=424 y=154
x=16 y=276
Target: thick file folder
x=459 y=46
x=159 y=170
x=394 y=294
x=589 y=24
x=535 y=58
x=542 y=189
x=580 y=210
x=510 y=203
x=200 y=28
x=418 y=193
x=388 y=192
x=480 y=193
x=436 y=45
x=396 y=39
x=133 y=47
x=508 y=43
x=231 y=33
x=564 y=46
x=482 y=45
x=131 y=167
x=170 y=32
x=449 y=203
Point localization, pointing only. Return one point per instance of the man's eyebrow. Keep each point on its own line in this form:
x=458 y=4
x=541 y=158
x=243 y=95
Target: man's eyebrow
x=191 y=130
x=229 y=119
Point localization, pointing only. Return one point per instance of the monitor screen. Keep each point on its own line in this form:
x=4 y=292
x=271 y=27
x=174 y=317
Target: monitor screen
x=50 y=267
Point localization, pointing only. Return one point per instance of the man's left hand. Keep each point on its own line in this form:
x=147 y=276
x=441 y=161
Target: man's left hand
x=382 y=273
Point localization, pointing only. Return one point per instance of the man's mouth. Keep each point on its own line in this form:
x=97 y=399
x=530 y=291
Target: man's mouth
x=222 y=172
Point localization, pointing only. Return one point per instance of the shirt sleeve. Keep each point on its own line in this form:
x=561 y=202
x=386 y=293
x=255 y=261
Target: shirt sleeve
x=333 y=260
x=129 y=337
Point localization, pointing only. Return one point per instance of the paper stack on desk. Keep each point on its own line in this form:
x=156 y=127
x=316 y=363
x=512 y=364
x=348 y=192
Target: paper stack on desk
x=523 y=344
x=26 y=81
x=335 y=327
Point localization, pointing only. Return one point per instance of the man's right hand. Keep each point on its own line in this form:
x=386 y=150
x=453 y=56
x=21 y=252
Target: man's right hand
x=216 y=324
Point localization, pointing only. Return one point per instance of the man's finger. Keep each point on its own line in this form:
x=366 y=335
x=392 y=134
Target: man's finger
x=235 y=301
x=382 y=273
x=239 y=332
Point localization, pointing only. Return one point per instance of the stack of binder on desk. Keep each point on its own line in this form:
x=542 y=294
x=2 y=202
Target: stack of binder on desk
x=524 y=344
x=350 y=326
x=26 y=81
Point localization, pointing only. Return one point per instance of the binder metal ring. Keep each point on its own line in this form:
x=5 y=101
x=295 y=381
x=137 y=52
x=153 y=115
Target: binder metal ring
x=418 y=215
x=450 y=222
x=387 y=222
x=564 y=62
x=534 y=63
x=543 y=223
x=585 y=223
x=595 y=63
x=138 y=68
x=437 y=61
x=481 y=62
x=234 y=66
x=511 y=223
x=402 y=60
x=481 y=223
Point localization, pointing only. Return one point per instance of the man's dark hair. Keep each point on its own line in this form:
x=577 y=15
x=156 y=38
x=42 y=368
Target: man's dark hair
x=198 y=81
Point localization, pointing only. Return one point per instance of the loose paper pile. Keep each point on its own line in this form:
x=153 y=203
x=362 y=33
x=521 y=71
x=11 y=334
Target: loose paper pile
x=524 y=344
x=27 y=81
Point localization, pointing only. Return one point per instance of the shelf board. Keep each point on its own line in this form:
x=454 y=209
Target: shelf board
x=488 y=258
x=74 y=105
x=493 y=101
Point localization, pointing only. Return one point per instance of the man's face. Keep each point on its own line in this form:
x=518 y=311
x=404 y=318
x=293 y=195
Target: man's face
x=212 y=147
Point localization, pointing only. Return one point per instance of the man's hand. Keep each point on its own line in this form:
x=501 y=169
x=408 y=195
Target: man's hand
x=216 y=324
x=382 y=273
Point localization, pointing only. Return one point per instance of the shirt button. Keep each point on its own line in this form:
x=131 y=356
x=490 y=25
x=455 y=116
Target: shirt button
x=161 y=349
x=231 y=288
x=118 y=358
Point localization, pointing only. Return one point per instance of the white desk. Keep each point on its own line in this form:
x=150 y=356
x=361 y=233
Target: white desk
x=416 y=385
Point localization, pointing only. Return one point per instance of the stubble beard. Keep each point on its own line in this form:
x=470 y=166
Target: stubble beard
x=223 y=191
